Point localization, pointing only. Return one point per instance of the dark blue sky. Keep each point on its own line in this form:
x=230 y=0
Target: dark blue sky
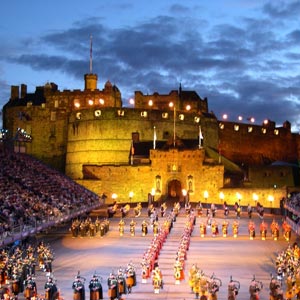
x=243 y=55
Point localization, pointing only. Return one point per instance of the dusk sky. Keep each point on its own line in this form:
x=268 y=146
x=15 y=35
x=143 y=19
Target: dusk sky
x=243 y=55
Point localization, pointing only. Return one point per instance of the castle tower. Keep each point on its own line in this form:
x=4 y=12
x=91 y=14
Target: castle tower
x=90 y=82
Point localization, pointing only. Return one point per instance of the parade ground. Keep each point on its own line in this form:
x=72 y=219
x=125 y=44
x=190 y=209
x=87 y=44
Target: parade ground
x=238 y=258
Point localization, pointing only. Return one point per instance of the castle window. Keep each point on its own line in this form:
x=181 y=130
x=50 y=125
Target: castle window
x=90 y=102
x=56 y=103
x=97 y=113
x=236 y=127
x=121 y=113
x=101 y=101
x=165 y=115
x=181 y=117
x=76 y=103
x=250 y=129
x=197 y=119
x=276 y=131
x=144 y=114
x=264 y=130
x=221 y=125
x=53 y=116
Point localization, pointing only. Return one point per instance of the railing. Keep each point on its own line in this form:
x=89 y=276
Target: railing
x=20 y=232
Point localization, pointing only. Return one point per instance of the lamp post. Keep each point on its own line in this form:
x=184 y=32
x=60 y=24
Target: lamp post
x=114 y=196
x=205 y=194
x=221 y=195
x=130 y=196
x=271 y=199
x=255 y=198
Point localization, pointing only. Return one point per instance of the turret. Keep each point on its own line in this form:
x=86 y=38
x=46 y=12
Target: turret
x=90 y=81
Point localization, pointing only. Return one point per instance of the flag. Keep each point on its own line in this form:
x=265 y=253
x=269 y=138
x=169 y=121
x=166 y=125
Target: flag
x=154 y=138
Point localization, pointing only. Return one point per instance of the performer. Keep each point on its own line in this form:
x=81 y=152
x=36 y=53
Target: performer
x=233 y=289
x=51 y=292
x=214 y=285
x=263 y=230
x=276 y=292
x=96 y=291
x=16 y=282
x=78 y=288
x=157 y=279
x=130 y=277
x=155 y=228
x=122 y=287
x=121 y=227
x=144 y=228
x=199 y=209
x=202 y=229
x=178 y=271
x=29 y=288
x=249 y=211
x=112 y=284
x=138 y=210
x=225 y=228
x=255 y=288
x=235 y=228
x=251 y=230
x=226 y=209
x=287 y=230
x=132 y=227
x=214 y=228
x=275 y=230
x=213 y=210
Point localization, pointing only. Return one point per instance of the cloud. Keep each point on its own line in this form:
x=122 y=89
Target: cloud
x=246 y=66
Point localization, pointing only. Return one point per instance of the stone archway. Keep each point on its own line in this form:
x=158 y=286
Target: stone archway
x=174 y=190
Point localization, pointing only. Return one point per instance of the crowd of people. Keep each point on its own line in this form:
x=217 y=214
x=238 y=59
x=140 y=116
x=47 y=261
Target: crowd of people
x=32 y=193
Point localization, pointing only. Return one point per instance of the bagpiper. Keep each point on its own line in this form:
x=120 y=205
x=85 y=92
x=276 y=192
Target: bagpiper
x=51 y=292
x=132 y=227
x=95 y=286
x=121 y=227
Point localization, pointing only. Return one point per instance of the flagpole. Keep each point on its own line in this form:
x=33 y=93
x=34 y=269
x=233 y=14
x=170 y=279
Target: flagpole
x=91 y=52
x=174 y=125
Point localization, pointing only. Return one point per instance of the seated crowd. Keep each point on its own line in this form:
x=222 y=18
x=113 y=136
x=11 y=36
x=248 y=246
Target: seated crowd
x=31 y=192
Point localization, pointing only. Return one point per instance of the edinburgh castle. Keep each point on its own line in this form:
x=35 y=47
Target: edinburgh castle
x=162 y=146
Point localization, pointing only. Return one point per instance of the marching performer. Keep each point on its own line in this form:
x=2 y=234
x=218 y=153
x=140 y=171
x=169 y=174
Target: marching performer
x=233 y=289
x=132 y=227
x=122 y=287
x=96 y=291
x=202 y=229
x=157 y=280
x=275 y=230
x=155 y=228
x=121 y=227
x=263 y=230
x=78 y=288
x=192 y=276
x=225 y=228
x=255 y=288
x=178 y=271
x=138 y=210
x=235 y=228
x=144 y=228
x=287 y=230
x=276 y=292
x=112 y=284
x=199 y=209
x=214 y=228
x=214 y=285
x=51 y=292
x=130 y=277
x=251 y=230
x=29 y=288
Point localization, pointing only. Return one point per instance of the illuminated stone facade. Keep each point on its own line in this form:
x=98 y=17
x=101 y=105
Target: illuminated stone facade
x=91 y=137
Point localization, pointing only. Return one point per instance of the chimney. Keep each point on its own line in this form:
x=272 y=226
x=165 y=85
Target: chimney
x=14 y=92
x=23 y=90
